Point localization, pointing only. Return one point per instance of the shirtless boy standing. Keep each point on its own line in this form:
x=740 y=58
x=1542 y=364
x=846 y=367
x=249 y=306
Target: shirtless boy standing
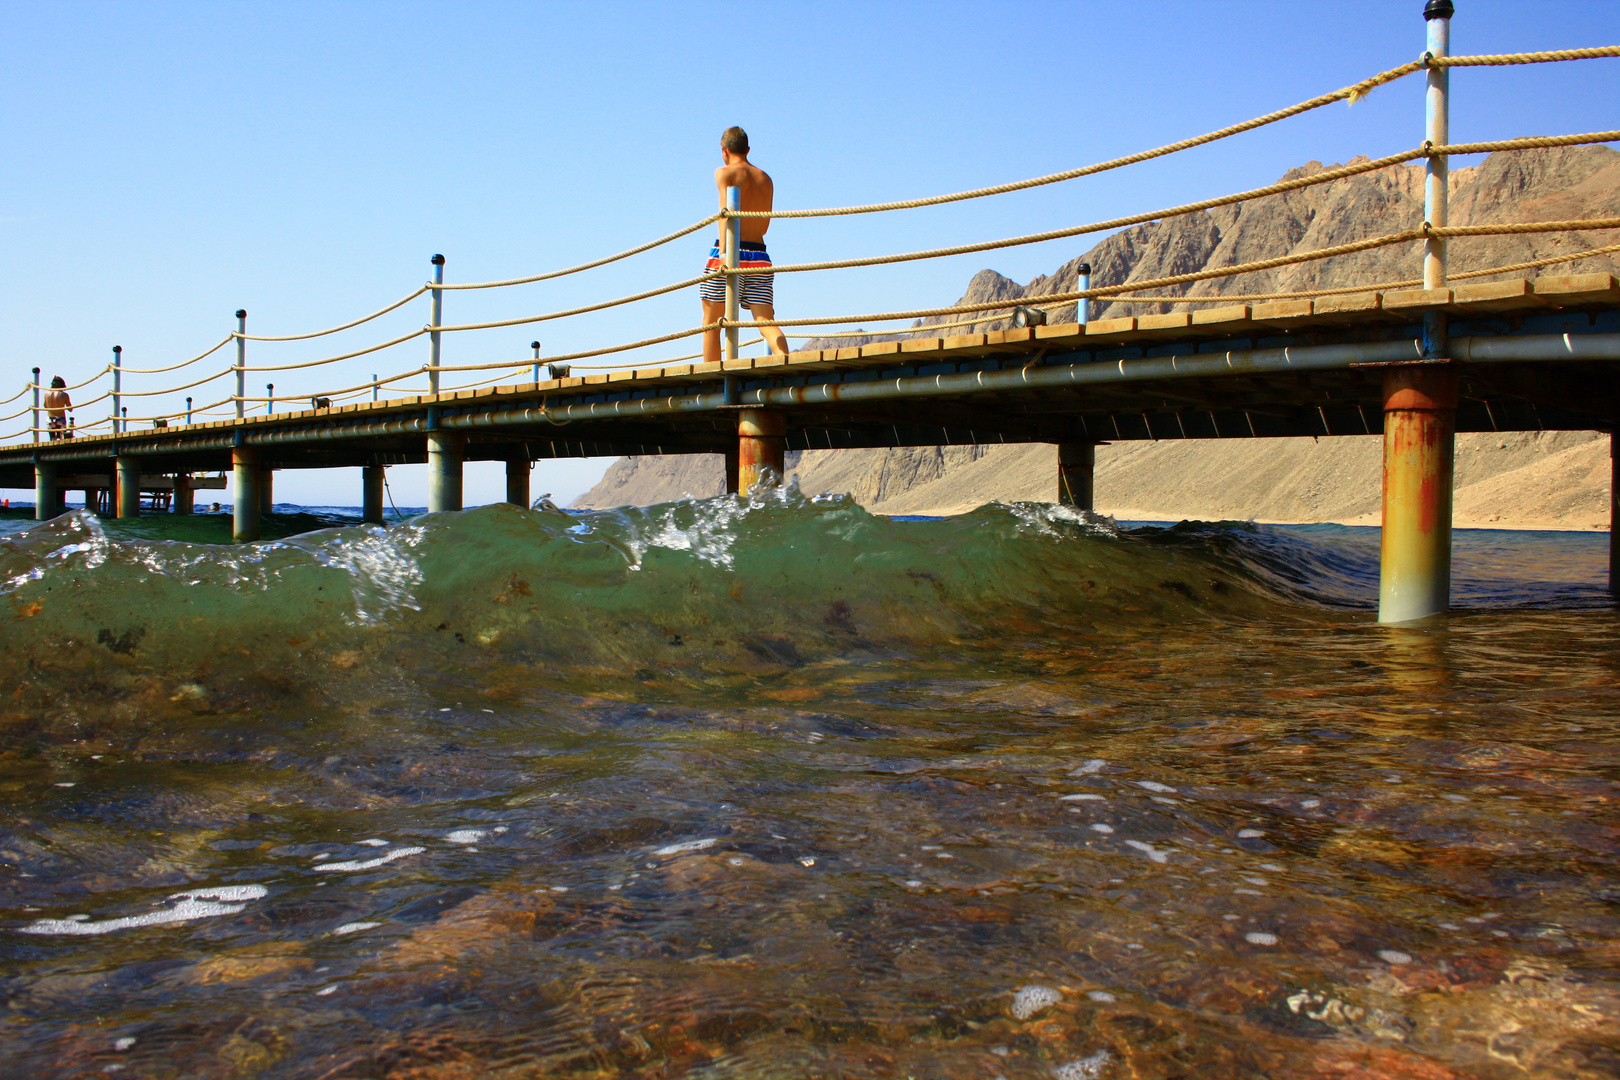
x=756 y=291
x=56 y=406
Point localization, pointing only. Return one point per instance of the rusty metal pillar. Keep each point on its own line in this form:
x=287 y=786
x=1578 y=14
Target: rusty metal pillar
x=267 y=490
x=246 y=475
x=1077 y=463
x=761 y=446
x=46 y=496
x=731 y=471
x=184 y=498
x=1420 y=423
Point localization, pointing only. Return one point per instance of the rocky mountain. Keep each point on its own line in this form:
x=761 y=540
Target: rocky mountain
x=1154 y=479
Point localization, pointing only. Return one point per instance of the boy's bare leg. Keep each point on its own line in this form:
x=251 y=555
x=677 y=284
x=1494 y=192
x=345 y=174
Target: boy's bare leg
x=712 y=313
x=772 y=334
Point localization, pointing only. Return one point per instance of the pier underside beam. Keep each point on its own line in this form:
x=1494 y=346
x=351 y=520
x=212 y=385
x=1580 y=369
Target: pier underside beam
x=1420 y=416
x=1077 y=463
x=761 y=446
x=183 y=497
x=245 y=501
x=371 y=493
x=46 y=497
x=446 y=450
x=517 y=480
x=129 y=486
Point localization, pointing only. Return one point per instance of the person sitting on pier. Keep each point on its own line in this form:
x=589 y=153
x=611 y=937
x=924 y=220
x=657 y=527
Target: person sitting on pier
x=56 y=406
x=754 y=291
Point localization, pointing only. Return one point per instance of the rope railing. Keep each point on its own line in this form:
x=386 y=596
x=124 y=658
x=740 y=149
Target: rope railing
x=1114 y=294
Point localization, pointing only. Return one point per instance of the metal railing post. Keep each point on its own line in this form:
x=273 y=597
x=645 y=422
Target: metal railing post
x=1082 y=310
x=437 y=320
x=36 y=404
x=188 y=410
x=374 y=386
x=118 y=385
x=1437 y=131
x=241 y=359
x=535 y=345
x=733 y=256
x=269 y=398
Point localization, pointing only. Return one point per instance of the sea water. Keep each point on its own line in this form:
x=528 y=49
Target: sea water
x=773 y=787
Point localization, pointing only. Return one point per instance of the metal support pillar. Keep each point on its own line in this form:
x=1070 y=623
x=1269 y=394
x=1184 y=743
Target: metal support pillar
x=1614 y=515
x=1420 y=423
x=184 y=497
x=267 y=490
x=517 y=480
x=1082 y=310
x=245 y=496
x=1437 y=132
x=433 y=338
x=371 y=493
x=129 y=486
x=45 y=493
x=733 y=283
x=241 y=371
x=445 y=450
x=118 y=386
x=761 y=448
x=1077 y=463
x=731 y=471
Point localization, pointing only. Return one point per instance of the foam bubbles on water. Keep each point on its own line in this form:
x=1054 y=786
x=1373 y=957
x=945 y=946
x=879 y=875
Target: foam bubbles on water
x=1101 y=997
x=465 y=836
x=373 y=842
x=1030 y=1000
x=1086 y=1068
x=1095 y=765
x=686 y=846
x=1260 y=937
x=1395 y=957
x=197 y=904
x=1149 y=850
x=350 y=865
x=1154 y=785
x=355 y=927
x=1082 y=798
x=1311 y=804
x=125 y=1043
x=1101 y=827
x=1250 y=834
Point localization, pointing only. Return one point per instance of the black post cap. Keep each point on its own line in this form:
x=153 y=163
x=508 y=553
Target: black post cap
x=241 y=313
x=534 y=344
x=36 y=374
x=438 y=260
x=1438 y=9
x=118 y=348
x=1085 y=268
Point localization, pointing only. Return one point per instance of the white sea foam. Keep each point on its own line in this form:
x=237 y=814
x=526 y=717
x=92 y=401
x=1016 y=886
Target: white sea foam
x=1311 y=804
x=125 y=1043
x=1101 y=827
x=197 y=904
x=350 y=865
x=1102 y=997
x=1154 y=785
x=1250 y=834
x=1092 y=766
x=1149 y=850
x=1082 y=798
x=1394 y=956
x=1030 y=1000
x=465 y=836
x=1259 y=937
x=687 y=845
x=355 y=927
x=1086 y=1068
x=374 y=842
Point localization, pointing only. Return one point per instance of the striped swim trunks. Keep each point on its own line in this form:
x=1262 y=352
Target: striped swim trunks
x=753 y=289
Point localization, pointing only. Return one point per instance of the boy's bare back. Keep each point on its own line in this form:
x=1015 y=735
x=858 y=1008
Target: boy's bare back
x=755 y=189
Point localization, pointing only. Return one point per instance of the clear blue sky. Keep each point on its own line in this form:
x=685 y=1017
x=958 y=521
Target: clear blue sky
x=165 y=164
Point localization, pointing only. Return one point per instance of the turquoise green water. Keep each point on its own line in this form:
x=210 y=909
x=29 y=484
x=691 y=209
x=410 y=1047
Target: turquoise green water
x=777 y=788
